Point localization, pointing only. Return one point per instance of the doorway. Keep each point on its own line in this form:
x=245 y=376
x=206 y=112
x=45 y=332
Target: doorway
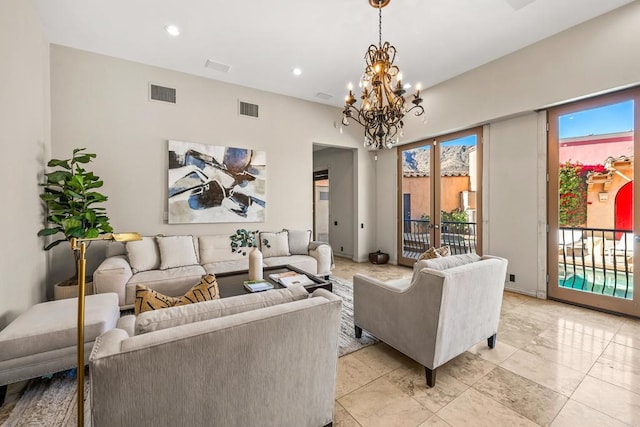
x=592 y=221
x=445 y=210
x=321 y=206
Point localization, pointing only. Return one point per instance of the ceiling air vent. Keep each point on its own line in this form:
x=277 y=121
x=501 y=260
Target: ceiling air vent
x=249 y=110
x=161 y=93
x=322 y=95
x=218 y=66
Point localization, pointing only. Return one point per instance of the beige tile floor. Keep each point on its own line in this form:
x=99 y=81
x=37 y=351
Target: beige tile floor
x=555 y=364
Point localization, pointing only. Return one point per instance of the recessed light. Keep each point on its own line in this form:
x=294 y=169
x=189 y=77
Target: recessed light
x=172 y=30
x=297 y=71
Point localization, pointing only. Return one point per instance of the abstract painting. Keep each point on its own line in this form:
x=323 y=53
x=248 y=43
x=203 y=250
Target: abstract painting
x=211 y=184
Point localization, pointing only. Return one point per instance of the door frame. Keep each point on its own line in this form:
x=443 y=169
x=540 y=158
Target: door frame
x=435 y=183
x=554 y=291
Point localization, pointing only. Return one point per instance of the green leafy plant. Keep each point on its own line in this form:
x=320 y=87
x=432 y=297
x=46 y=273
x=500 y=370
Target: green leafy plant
x=243 y=239
x=71 y=199
x=573 y=192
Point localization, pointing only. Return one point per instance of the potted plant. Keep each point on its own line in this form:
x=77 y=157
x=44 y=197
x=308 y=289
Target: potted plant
x=243 y=239
x=72 y=208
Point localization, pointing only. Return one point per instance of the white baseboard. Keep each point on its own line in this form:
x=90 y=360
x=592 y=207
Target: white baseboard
x=522 y=292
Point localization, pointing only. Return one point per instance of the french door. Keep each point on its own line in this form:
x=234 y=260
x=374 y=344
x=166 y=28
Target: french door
x=439 y=202
x=593 y=223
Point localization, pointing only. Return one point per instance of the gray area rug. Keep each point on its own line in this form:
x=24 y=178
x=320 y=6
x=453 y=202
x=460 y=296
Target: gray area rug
x=347 y=342
x=52 y=401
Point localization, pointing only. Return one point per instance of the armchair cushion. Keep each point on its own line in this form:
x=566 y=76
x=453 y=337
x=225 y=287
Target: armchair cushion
x=445 y=263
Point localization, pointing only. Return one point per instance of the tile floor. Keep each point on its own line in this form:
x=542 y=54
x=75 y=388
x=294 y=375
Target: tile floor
x=555 y=364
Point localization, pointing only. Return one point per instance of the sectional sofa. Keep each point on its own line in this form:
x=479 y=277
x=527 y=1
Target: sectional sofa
x=173 y=264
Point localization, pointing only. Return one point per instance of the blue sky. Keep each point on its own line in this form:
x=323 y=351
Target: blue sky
x=598 y=121
x=465 y=140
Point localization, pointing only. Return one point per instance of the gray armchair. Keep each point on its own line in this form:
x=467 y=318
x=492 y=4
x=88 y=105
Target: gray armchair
x=448 y=306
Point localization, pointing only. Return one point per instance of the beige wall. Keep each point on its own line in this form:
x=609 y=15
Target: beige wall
x=24 y=120
x=101 y=103
x=572 y=64
x=339 y=163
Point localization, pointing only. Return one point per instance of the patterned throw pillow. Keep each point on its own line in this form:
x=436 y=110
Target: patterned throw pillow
x=432 y=253
x=149 y=299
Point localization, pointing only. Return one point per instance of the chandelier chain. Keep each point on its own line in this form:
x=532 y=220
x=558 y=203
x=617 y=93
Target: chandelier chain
x=380 y=23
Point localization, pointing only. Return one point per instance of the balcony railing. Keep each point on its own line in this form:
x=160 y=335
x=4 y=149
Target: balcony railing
x=459 y=236
x=596 y=260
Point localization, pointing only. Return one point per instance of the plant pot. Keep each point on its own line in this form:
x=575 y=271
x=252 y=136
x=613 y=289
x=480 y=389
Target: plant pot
x=378 y=257
x=62 y=290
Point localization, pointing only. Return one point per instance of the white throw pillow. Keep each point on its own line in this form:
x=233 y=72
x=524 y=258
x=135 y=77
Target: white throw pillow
x=176 y=251
x=143 y=254
x=299 y=241
x=277 y=244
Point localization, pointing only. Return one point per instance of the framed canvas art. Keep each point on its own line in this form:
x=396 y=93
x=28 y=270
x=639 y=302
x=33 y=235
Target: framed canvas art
x=214 y=184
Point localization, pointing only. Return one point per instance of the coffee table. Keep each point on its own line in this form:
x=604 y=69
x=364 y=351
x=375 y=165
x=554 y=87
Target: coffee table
x=232 y=283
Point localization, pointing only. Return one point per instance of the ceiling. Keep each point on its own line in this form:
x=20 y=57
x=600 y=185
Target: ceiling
x=263 y=41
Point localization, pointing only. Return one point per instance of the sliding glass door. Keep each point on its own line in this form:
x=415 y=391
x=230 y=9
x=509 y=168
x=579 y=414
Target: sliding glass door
x=593 y=225
x=439 y=201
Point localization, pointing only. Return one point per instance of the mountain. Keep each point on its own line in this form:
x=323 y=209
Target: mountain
x=454 y=160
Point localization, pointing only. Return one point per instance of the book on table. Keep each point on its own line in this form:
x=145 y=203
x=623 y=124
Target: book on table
x=296 y=280
x=257 y=285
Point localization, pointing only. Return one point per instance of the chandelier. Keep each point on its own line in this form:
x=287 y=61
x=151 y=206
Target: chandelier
x=383 y=104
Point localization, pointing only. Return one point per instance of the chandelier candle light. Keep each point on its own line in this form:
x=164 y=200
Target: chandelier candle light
x=383 y=104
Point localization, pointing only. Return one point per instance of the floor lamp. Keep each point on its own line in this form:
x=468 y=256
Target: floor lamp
x=80 y=246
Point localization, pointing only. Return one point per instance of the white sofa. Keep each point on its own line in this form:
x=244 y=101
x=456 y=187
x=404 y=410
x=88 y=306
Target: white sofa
x=265 y=359
x=173 y=264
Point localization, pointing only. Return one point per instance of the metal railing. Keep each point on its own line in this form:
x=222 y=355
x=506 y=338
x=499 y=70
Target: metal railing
x=459 y=236
x=596 y=260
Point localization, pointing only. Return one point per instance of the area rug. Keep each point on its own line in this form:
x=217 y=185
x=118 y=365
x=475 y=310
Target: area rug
x=347 y=341
x=52 y=401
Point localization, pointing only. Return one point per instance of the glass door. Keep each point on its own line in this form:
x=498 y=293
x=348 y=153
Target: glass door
x=592 y=221
x=439 y=202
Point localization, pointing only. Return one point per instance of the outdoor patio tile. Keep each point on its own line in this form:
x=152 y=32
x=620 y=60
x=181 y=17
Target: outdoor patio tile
x=617 y=402
x=474 y=407
x=352 y=374
x=380 y=403
x=529 y=399
x=576 y=414
x=467 y=368
x=549 y=374
x=412 y=381
x=342 y=418
x=496 y=355
x=574 y=358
